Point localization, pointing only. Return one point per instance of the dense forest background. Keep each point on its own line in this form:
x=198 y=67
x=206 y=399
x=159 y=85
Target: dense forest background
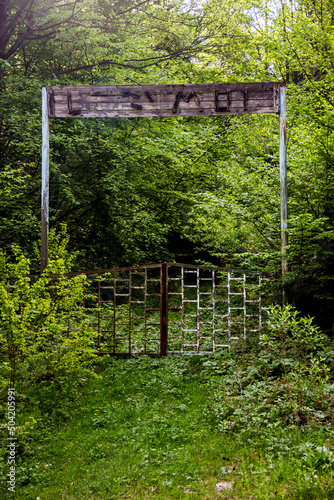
x=185 y=189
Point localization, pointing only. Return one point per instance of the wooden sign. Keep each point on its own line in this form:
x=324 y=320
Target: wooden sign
x=134 y=101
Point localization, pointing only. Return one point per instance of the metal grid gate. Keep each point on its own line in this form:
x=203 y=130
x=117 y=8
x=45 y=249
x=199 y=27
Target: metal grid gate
x=172 y=308
x=126 y=306
x=210 y=308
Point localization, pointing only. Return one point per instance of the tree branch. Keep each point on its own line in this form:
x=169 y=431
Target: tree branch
x=132 y=8
x=124 y=65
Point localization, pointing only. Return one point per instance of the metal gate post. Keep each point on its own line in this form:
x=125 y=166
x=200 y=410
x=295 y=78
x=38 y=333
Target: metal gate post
x=283 y=183
x=163 y=311
x=45 y=181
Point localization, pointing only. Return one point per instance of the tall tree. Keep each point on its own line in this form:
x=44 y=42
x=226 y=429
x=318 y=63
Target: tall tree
x=23 y=21
x=54 y=37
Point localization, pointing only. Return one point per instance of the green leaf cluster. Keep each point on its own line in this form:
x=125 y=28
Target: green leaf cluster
x=285 y=382
x=43 y=326
x=196 y=189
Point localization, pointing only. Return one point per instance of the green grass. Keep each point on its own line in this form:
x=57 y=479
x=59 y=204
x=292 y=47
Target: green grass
x=145 y=429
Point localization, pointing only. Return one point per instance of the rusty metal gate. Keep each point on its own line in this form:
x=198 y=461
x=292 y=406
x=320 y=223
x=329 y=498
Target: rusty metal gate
x=172 y=308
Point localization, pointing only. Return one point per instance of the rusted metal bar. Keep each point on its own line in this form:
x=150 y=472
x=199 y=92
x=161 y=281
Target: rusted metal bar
x=229 y=319
x=145 y=314
x=45 y=181
x=155 y=266
x=198 y=310
x=114 y=269
x=98 y=313
x=283 y=183
x=213 y=310
x=245 y=307
x=260 y=306
x=130 y=298
x=182 y=304
x=114 y=312
x=126 y=354
x=163 y=310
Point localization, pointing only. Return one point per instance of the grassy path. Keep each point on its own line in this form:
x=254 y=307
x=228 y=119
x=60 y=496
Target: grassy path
x=142 y=431
x=139 y=432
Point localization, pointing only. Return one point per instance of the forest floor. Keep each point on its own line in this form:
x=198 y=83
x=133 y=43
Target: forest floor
x=143 y=429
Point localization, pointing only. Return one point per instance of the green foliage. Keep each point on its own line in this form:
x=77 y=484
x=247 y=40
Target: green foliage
x=143 y=429
x=139 y=191
x=20 y=145
x=286 y=383
x=44 y=329
x=290 y=332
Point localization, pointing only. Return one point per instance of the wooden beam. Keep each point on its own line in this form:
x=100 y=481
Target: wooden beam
x=134 y=101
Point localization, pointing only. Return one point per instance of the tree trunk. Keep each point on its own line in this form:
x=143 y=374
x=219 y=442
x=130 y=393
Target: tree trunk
x=3 y=29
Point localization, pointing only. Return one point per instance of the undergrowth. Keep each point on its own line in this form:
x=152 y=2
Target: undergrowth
x=256 y=420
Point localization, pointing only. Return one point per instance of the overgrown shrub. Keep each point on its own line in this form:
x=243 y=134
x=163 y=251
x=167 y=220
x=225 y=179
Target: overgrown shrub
x=285 y=382
x=45 y=335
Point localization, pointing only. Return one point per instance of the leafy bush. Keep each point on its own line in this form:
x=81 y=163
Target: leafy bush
x=285 y=382
x=44 y=330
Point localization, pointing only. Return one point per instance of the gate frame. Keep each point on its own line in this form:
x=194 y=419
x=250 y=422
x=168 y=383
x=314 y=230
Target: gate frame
x=48 y=102
x=166 y=295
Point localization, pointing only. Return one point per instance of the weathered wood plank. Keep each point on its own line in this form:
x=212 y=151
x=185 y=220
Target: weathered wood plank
x=166 y=98
x=199 y=87
x=206 y=105
x=163 y=100
x=164 y=114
